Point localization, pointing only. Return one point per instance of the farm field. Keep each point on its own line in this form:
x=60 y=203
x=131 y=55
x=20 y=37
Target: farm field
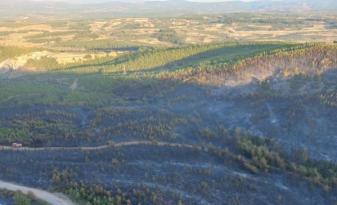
x=236 y=108
x=32 y=43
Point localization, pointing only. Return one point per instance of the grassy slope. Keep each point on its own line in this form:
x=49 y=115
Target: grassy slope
x=95 y=89
x=159 y=60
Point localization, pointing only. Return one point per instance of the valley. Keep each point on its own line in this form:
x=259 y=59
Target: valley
x=233 y=109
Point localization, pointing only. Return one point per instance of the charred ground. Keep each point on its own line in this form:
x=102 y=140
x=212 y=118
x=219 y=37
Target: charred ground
x=256 y=130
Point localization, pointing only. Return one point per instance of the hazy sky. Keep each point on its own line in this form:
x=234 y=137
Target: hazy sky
x=99 y=1
x=139 y=0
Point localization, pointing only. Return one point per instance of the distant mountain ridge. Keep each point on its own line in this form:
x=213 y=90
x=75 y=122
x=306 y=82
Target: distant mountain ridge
x=162 y=8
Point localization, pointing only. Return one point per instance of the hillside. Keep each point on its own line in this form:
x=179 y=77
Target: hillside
x=192 y=133
x=112 y=104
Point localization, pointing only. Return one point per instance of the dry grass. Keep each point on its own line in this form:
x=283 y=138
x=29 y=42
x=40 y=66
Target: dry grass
x=146 y=32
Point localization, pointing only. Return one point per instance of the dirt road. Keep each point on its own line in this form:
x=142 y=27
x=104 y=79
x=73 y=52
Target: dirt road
x=58 y=199
x=101 y=147
x=51 y=198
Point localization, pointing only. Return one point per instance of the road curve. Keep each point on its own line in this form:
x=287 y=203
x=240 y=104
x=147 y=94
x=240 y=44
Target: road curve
x=50 y=198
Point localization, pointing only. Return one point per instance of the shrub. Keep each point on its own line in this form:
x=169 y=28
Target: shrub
x=21 y=199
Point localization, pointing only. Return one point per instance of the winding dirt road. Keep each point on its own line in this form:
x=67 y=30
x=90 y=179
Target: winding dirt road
x=57 y=199
x=101 y=147
x=50 y=198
